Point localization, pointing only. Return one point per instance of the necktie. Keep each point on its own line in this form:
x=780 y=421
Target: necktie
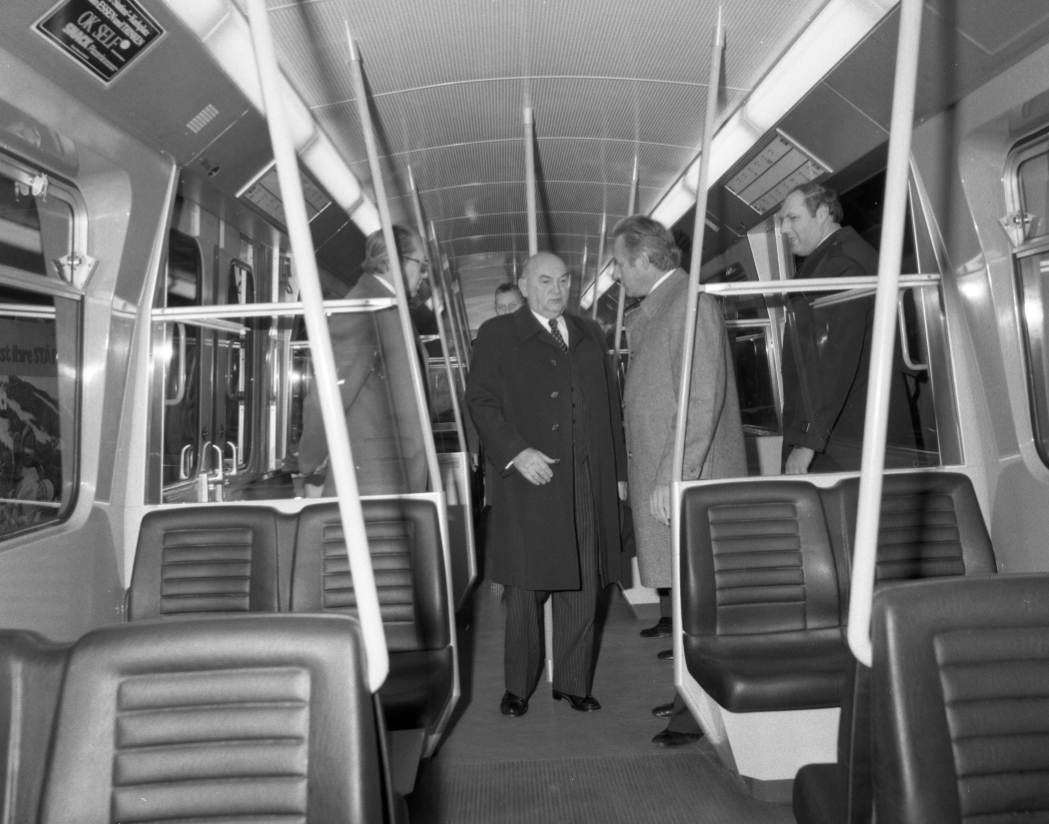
x=557 y=335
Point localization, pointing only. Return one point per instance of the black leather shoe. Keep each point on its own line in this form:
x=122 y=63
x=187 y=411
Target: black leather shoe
x=587 y=704
x=663 y=710
x=660 y=630
x=668 y=738
x=665 y=655
x=512 y=705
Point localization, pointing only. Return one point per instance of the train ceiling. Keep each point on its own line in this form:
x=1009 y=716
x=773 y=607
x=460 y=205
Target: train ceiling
x=449 y=81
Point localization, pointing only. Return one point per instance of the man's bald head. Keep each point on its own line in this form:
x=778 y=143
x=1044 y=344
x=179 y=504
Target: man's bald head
x=545 y=283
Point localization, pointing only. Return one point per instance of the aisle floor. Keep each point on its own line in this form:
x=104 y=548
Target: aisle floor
x=558 y=765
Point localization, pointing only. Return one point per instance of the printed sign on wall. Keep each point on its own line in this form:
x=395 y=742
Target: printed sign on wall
x=103 y=36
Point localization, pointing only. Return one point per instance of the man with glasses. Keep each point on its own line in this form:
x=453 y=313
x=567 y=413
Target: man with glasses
x=375 y=380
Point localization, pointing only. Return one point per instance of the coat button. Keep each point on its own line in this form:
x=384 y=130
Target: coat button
x=630 y=454
x=553 y=362
x=553 y=394
x=555 y=427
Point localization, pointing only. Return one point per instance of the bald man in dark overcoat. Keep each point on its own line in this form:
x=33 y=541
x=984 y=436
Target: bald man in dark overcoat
x=546 y=405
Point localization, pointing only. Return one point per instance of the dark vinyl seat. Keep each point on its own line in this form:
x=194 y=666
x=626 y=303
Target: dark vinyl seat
x=930 y=527
x=404 y=538
x=205 y=559
x=960 y=699
x=232 y=718
x=760 y=598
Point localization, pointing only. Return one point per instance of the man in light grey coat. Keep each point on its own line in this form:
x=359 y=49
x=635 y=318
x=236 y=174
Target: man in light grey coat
x=646 y=261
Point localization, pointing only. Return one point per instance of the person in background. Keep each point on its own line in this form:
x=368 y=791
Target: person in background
x=375 y=381
x=546 y=405
x=646 y=262
x=508 y=299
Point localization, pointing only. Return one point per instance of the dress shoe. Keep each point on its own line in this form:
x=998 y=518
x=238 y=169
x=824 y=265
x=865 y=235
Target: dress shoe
x=669 y=738
x=660 y=630
x=512 y=705
x=663 y=710
x=665 y=655
x=587 y=704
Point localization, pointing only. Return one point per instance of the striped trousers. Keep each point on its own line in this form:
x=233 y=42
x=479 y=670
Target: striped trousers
x=573 y=612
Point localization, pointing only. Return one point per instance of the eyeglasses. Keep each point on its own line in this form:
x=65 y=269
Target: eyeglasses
x=424 y=265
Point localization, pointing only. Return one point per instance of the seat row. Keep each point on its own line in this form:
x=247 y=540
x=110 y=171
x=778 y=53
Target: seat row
x=237 y=718
x=765 y=571
x=233 y=558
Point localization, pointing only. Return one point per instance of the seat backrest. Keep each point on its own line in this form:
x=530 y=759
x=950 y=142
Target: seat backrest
x=204 y=559
x=404 y=538
x=756 y=558
x=960 y=700
x=232 y=718
x=930 y=527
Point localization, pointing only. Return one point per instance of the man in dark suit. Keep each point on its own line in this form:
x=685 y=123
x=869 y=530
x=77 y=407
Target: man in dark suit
x=374 y=381
x=543 y=397
x=827 y=350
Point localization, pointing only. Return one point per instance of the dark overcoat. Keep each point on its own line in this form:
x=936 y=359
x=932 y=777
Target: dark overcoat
x=520 y=395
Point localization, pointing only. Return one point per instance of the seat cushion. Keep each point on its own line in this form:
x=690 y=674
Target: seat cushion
x=775 y=671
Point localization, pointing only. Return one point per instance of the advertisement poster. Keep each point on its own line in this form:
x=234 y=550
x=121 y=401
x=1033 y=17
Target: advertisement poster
x=30 y=436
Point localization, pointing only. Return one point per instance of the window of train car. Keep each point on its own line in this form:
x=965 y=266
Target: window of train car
x=1030 y=195
x=180 y=355
x=41 y=230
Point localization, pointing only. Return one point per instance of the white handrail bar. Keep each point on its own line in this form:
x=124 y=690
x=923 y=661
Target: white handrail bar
x=393 y=261
x=620 y=308
x=687 y=354
x=533 y=226
x=327 y=386
x=784 y=287
x=259 y=310
x=462 y=350
x=597 y=269
x=438 y=305
x=883 y=339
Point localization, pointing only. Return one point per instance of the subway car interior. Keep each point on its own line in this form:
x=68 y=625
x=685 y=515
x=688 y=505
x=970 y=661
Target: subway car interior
x=195 y=628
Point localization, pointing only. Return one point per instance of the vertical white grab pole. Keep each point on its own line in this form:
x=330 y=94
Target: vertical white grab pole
x=438 y=298
x=698 y=231
x=600 y=260
x=884 y=336
x=631 y=207
x=320 y=346
x=458 y=323
x=414 y=367
x=533 y=224
x=533 y=247
x=582 y=271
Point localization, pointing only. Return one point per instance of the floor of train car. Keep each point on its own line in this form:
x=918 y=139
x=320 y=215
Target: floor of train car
x=557 y=765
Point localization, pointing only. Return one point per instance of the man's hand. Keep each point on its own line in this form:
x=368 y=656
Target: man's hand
x=534 y=466
x=622 y=490
x=798 y=460
x=659 y=503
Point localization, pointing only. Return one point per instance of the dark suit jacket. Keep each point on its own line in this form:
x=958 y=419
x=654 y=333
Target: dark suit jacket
x=520 y=395
x=834 y=361
x=378 y=399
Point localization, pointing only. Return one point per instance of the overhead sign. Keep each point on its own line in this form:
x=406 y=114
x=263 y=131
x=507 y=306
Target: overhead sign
x=103 y=36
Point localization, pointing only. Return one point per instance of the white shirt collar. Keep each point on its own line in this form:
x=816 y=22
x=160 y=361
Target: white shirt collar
x=656 y=284
x=562 y=327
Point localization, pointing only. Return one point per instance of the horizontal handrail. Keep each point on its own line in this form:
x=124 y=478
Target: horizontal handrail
x=261 y=310
x=779 y=287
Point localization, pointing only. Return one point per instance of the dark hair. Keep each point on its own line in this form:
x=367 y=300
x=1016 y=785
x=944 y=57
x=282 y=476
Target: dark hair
x=375 y=259
x=815 y=196
x=503 y=288
x=642 y=234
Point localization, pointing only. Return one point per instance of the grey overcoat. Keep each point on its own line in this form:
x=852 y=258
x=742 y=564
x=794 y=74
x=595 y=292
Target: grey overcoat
x=713 y=435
